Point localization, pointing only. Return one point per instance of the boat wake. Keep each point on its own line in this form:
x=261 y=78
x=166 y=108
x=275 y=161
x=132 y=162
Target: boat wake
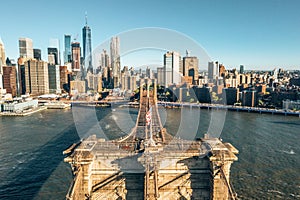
x=291 y=152
x=276 y=191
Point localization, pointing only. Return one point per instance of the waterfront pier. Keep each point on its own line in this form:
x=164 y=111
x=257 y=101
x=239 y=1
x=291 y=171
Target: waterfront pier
x=149 y=163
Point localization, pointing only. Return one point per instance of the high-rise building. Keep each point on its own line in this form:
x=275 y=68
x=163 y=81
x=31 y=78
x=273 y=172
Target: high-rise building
x=2 y=62
x=115 y=61
x=128 y=80
x=230 y=95
x=94 y=81
x=105 y=59
x=261 y=88
x=64 y=78
x=54 y=78
x=37 y=54
x=21 y=76
x=128 y=83
x=67 y=52
x=77 y=87
x=98 y=81
x=171 y=68
x=190 y=68
x=54 y=46
x=212 y=73
x=90 y=80
x=53 y=55
x=222 y=69
x=242 y=69
x=230 y=81
x=36 y=77
x=167 y=77
x=10 y=79
x=87 y=46
x=203 y=94
x=2 y=54
x=51 y=59
x=105 y=73
x=149 y=73
x=160 y=76
x=241 y=79
x=249 y=98
x=132 y=83
x=105 y=68
x=76 y=56
x=1 y=80
x=26 y=48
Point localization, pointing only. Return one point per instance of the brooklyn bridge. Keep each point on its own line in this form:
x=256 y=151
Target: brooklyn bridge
x=149 y=163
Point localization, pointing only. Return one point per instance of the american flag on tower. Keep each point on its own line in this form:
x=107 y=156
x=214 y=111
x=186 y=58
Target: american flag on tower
x=149 y=116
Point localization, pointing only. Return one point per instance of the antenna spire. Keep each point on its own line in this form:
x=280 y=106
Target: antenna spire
x=86 y=18
x=187 y=53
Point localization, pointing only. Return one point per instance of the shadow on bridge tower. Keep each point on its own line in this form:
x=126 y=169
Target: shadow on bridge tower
x=149 y=163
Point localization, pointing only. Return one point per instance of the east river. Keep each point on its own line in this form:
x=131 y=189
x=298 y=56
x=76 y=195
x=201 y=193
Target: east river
x=32 y=167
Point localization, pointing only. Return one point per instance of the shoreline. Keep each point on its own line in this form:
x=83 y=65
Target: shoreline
x=167 y=105
x=203 y=106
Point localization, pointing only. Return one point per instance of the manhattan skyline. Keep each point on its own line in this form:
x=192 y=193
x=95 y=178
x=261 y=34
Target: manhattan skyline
x=258 y=35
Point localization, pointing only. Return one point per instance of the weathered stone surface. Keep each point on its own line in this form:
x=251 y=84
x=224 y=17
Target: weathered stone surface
x=151 y=165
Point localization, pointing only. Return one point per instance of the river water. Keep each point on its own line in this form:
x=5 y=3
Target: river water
x=31 y=147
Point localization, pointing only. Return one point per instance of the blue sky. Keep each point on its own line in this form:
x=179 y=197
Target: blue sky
x=261 y=34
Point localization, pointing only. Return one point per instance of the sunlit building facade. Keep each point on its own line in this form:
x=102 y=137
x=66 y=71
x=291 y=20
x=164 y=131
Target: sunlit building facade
x=26 y=48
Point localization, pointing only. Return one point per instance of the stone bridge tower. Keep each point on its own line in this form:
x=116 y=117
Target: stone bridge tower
x=149 y=163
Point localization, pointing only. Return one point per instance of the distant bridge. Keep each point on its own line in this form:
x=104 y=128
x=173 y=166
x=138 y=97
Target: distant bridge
x=149 y=163
x=230 y=107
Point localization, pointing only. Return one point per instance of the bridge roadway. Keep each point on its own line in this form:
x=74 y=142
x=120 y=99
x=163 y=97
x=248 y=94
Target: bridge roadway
x=149 y=163
x=230 y=107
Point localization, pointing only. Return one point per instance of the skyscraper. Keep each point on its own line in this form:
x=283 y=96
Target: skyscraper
x=76 y=56
x=149 y=73
x=115 y=61
x=160 y=76
x=21 y=76
x=26 y=48
x=94 y=81
x=222 y=69
x=211 y=70
x=171 y=68
x=54 y=78
x=54 y=48
x=241 y=69
x=105 y=68
x=63 y=75
x=2 y=54
x=2 y=62
x=104 y=59
x=190 y=68
x=10 y=79
x=37 y=54
x=36 y=77
x=53 y=55
x=67 y=52
x=87 y=46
